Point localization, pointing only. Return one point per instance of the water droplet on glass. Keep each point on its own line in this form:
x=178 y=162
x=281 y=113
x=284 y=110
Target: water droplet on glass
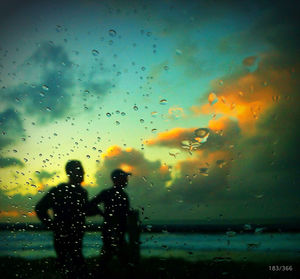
x=142 y=120
x=88 y=156
x=185 y=144
x=123 y=113
x=163 y=102
x=276 y=98
x=203 y=171
x=201 y=132
x=108 y=114
x=95 y=52
x=223 y=99
x=194 y=145
x=212 y=98
x=45 y=87
x=154 y=130
x=112 y=33
x=143 y=68
x=178 y=52
x=166 y=68
x=48 y=109
x=58 y=28
x=221 y=163
x=117 y=123
x=154 y=113
x=135 y=108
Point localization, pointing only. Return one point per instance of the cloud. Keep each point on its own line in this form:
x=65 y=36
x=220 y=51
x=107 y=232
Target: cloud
x=249 y=61
x=248 y=167
x=17 y=206
x=147 y=185
x=48 y=92
x=44 y=175
x=10 y=161
x=222 y=133
x=11 y=127
x=116 y=157
x=47 y=97
x=171 y=138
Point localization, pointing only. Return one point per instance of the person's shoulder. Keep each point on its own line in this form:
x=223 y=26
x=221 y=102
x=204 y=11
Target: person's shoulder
x=105 y=193
x=59 y=188
x=83 y=190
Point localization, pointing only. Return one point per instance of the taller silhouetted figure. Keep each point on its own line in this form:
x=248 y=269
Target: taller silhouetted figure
x=69 y=203
x=116 y=210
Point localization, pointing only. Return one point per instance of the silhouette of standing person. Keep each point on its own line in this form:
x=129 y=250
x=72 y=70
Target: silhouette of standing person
x=116 y=210
x=69 y=202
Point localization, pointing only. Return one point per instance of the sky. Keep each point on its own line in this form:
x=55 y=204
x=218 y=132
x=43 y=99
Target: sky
x=198 y=99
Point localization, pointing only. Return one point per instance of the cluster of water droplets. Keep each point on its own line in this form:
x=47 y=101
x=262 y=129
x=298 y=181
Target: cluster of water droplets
x=198 y=138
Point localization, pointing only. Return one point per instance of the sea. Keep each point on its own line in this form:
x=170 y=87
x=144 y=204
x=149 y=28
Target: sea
x=39 y=244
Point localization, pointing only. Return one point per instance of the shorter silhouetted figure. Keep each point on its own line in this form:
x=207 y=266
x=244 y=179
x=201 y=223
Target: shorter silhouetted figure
x=134 y=232
x=69 y=203
x=116 y=210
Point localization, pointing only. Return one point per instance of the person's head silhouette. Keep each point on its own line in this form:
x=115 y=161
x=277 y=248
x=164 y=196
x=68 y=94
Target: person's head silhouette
x=74 y=171
x=120 y=178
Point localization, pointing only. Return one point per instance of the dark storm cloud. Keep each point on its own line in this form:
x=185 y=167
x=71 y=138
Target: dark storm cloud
x=98 y=88
x=50 y=97
x=11 y=127
x=276 y=26
x=10 y=161
x=284 y=34
x=44 y=175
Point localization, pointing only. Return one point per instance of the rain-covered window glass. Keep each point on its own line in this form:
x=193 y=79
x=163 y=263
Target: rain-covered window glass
x=156 y=139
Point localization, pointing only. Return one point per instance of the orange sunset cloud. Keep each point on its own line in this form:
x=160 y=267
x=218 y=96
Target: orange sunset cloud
x=112 y=151
x=171 y=137
x=247 y=97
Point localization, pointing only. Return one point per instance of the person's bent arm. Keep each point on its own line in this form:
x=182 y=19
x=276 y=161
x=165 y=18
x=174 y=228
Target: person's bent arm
x=42 y=208
x=93 y=208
